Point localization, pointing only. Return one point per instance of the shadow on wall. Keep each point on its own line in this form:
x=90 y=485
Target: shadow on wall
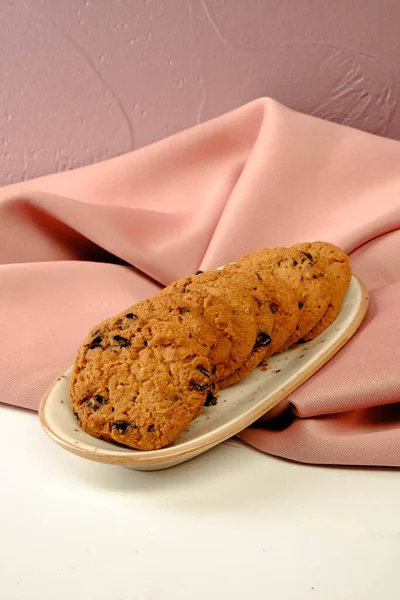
x=82 y=83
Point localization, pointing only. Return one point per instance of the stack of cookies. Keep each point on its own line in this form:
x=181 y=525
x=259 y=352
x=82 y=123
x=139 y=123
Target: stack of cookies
x=141 y=377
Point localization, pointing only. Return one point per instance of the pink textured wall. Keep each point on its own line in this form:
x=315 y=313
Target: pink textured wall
x=84 y=80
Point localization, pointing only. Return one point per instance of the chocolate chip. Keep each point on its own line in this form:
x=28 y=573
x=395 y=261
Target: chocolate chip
x=301 y=341
x=145 y=342
x=300 y=305
x=211 y=400
x=309 y=256
x=131 y=316
x=96 y=401
x=150 y=428
x=214 y=369
x=199 y=272
x=95 y=343
x=175 y=398
x=295 y=262
x=203 y=370
x=77 y=417
x=112 y=409
x=123 y=342
x=121 y=426
x=93 y=406
x=182 y=311
x=259 y=276
x=195 y=385
x=273 y=307
x=259 y=302
x=262 y=340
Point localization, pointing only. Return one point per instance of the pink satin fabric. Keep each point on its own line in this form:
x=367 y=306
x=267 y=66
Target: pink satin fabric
x=262 y=175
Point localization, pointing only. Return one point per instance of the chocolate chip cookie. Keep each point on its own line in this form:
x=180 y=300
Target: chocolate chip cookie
x=142 y=376
x=307 y=282
x=219 y=314
x=282 y=300
x=336 y=265
x=244 y=330
x=264 y=316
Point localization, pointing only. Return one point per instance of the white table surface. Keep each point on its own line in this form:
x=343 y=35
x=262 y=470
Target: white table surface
x=230 y=524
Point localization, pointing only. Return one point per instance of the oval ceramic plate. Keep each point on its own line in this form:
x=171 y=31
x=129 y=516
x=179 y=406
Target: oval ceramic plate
x=238 y=406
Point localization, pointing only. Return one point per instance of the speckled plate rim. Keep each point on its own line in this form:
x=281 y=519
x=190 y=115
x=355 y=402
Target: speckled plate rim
x=218 y=434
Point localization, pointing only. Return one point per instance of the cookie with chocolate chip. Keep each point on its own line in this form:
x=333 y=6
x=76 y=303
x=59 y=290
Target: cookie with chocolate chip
x=282 y=301
x=142 y=376
x=264 y=318
x=218 y=313
x=307 y=281
x=243 y=317
x=336 y=266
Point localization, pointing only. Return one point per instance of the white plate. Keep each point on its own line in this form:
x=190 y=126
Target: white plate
x=238 y=406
